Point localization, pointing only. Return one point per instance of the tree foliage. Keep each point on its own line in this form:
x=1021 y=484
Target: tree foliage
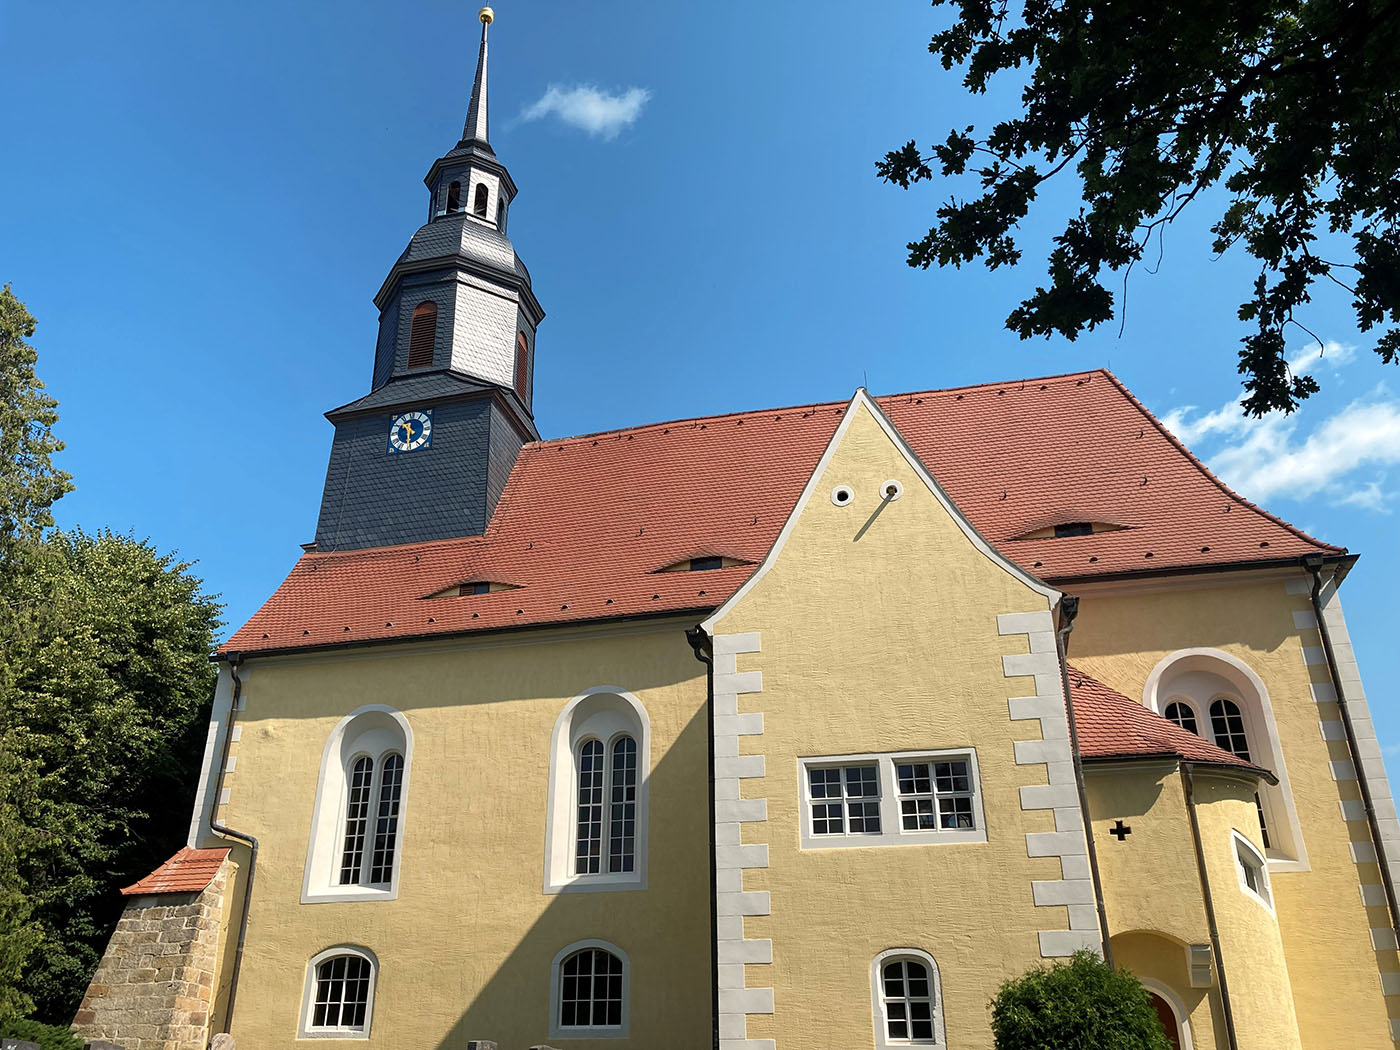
x=1293 y=108
x=29 y=486
x=1083 y=1004
x=110 y=705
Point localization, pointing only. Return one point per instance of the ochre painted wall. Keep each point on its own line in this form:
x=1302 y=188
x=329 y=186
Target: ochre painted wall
x=1121 y=635
x=466 y=949
x=879 y=633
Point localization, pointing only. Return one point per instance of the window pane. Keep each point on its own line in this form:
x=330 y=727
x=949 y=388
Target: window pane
x=590 y=990
x=342 y=993
x=1227 y=723
x=622 y=815
x=356 y=820
x=589 y=839
x=386 y=827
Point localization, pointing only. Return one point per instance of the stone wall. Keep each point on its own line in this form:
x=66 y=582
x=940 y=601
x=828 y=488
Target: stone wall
x=154 y=988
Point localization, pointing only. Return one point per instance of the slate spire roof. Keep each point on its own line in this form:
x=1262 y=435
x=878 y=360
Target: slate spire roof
x=475 y=128
x=585 y=524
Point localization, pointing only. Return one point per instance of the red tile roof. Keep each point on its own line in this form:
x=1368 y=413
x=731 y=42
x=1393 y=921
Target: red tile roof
x=189 y=871
x=1111 y=725
x=585 y=522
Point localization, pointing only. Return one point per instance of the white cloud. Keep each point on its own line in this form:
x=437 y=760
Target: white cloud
x=590 y=109
x=1330 y=353
x=1272 y=456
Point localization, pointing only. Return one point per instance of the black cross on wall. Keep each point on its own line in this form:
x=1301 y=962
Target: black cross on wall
x=1120 y=831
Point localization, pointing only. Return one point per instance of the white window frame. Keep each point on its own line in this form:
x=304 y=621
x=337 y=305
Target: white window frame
x=892 y=831
x=877 y=998
x=1244 y=852
x=558 y=1031
x=375 y=730
x=603 y=713
x=308 y=999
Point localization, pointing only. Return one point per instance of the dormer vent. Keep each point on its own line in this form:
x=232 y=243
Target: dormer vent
x=1069 y=529
x=460 y=590
x=704 y=563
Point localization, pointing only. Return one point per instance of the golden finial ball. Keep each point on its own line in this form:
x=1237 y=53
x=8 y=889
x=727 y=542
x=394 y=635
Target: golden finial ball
x=487 y=16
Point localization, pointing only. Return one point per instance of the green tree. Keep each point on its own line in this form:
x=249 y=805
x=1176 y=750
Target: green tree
x=109 y=708
x=1292 y=106
x=29 y=486
x=1083 y=1004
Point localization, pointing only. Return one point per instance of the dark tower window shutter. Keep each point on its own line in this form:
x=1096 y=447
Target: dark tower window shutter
x=454 y=198
x=522 y=366
x=420 y=338
x=483 y=196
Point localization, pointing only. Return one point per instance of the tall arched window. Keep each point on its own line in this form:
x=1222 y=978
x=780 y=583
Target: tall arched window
x=906 y=999
x=357 y=824
x=422 y=335
x=454 y=198
x=522 y=366
x=501 y=215
x=1231 y=708
x=607 y=806
x=1181 y=713
x=589 y=991
x=339 y=998
x=482 y=199
x=596 y=827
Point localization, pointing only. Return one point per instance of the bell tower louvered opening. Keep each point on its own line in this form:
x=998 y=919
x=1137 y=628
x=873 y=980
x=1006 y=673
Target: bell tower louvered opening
x=420 y=338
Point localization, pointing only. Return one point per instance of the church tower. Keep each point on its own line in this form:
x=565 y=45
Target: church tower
x=426 y=453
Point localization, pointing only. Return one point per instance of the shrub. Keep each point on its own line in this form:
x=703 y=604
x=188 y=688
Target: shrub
x=48 y=1036
x=1079 y=1005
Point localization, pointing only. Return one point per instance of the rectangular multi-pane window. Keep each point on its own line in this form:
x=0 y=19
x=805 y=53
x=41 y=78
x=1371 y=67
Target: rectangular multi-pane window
x=386 y=828
x=893 y=799
x=845 y=800
x=356 y=820
x=588 y=841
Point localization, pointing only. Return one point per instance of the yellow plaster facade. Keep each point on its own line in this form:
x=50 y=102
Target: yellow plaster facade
x=465 y=950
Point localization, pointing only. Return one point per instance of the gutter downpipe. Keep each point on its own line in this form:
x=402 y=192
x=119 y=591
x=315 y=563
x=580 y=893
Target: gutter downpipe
x=702 y=645
x=1313 y=564
x=1069 y=609
x=1188 y=780
x=226 y=832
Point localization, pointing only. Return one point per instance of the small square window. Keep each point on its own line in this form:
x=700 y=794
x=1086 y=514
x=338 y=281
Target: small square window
x=1252 y=870
x=845 y=800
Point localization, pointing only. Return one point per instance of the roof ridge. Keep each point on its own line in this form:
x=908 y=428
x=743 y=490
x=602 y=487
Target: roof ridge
x=1209 y=474
x=720 y=416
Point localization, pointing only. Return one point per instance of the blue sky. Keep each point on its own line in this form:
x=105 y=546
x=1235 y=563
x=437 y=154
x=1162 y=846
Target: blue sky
x=200 y=200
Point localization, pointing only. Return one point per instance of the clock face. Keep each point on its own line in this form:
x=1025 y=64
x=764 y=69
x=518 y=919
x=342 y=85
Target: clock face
x=411 y=431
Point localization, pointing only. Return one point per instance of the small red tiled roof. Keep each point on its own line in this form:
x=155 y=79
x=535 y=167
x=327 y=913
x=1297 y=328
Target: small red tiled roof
x=585 y=522
x=1111 y=725
x=189 y=871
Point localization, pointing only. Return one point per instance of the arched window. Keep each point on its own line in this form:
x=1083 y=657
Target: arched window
x=906 y=999
x=339 y=996
x=454 y=198
x=501 y=215
x=596 y=827
x=357 y=824
x=589 y=991
x=1180 y=712
x=607 y=784
x=522 y=366
x=482 y=199
x=1231 y=708
x=422 y=335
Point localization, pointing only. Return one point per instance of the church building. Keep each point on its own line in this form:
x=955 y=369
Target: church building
x=793 y=729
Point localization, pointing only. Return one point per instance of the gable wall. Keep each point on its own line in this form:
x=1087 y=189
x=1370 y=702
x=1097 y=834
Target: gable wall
x=881 y=632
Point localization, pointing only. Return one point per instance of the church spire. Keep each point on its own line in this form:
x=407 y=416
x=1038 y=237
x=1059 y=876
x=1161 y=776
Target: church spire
x=475 y=129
